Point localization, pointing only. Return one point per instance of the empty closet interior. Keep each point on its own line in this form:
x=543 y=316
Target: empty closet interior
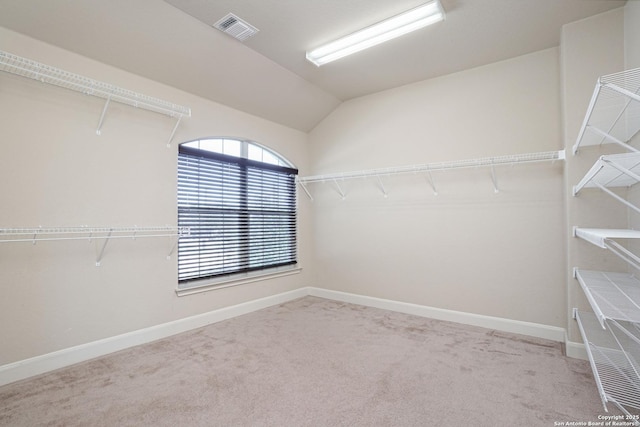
x=500 y=195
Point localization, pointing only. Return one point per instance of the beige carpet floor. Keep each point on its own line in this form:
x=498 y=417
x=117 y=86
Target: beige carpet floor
x=316 y=362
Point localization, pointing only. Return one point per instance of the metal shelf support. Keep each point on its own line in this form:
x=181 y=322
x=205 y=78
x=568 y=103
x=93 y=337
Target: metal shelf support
x=104 y=111
x=104 y=245
x=381 y=184
x=342 y=193
x=618 y=93
x=306 y=190
x=605 y=239
x=615 y=170
x=173 y=132
x=432 y=183
x=493 y=179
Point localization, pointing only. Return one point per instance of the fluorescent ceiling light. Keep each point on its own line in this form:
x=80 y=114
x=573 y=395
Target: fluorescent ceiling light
x=414 y=19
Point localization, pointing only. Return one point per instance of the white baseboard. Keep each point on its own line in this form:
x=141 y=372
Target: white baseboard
x=59 y=359
x=576 y=350
x=506 y=325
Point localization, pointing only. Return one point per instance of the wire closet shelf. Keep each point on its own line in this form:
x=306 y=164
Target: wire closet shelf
x=36 y=234
x=428 y=168
x=607 y=238
x=28 y=68
x=613 y=353
x=611 y=333
x=613 y=115
x=95 y=234
x=610 y=171
x=612 y=295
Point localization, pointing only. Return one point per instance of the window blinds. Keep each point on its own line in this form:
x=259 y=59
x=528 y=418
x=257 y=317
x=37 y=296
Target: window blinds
x=241 y=213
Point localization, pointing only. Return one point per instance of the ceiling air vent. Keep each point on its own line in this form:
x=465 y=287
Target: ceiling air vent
x=236 y=27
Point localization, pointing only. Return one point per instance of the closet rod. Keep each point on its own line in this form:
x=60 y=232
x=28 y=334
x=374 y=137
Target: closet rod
x=440 y=166
x=28 y=68
x=36 y=234
x=47 y=74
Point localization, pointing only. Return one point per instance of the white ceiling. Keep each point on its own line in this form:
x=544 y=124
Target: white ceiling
x=173 y=42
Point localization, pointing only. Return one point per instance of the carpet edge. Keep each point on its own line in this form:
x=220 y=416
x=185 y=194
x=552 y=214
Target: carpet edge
x=537 y=330
x=37 y=365
x=44 y=363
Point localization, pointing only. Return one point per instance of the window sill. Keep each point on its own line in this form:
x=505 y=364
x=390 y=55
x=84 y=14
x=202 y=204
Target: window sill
x=235 y=280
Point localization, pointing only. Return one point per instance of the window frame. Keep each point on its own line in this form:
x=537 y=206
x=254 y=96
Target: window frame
x=247 y=274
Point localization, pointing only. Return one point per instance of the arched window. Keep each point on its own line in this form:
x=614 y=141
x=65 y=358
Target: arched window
x=239 y=201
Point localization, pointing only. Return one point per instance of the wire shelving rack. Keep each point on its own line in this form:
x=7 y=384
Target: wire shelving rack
x=613 y=115
x=428 y=168
x=28 y=68
x=97 y=234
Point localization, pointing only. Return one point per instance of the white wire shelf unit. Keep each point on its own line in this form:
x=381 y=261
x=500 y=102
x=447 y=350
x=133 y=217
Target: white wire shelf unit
x=614 y=353
x=428 y=168
x=611 y=171
x=613 y=115
x=606 y=238
x=97 y=234
x=612 y=295
x=28 y=68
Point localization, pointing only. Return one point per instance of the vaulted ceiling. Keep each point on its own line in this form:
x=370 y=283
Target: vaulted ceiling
x=173 y=42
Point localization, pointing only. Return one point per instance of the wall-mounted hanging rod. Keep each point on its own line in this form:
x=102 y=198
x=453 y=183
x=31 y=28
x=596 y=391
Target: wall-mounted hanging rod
x=48 y=234
x=14 y=64
x=615 y=100
x=29 y=234
x=428 y=168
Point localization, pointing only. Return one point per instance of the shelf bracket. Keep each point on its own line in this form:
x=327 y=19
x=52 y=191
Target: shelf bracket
x=342 y=193
x=173 y=132
x=431 y=183
x=306 y=190
x=623 y=253
x=493 y=178
x=173 y=246
x=622 y=169
x=618 y=198
x=381 y=184
x=583 y=128
x=104 y=245
x=104 y=111
x=611 y=138
x=631 y=336
x=628 y=93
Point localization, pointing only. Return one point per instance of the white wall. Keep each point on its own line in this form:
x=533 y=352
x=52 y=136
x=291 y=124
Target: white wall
x=632 y=34
x=466 y=249
x=590 y=48
x=56 y=171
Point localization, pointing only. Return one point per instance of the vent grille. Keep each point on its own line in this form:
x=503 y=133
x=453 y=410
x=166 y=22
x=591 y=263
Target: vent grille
x=236 y=27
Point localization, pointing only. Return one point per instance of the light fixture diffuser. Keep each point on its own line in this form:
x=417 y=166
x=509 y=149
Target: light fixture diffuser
x=411 y=20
